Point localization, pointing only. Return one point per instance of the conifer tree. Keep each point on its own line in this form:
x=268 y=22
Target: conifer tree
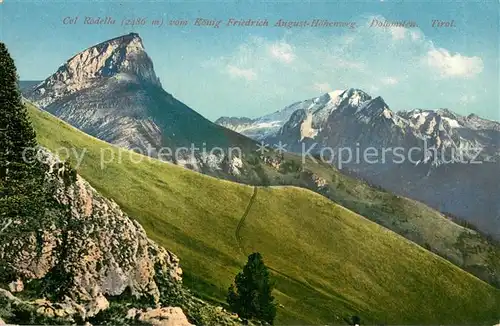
x=251 y=296
x=22 y=194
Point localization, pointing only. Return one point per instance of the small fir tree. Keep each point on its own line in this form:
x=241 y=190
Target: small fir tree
x=251 y=295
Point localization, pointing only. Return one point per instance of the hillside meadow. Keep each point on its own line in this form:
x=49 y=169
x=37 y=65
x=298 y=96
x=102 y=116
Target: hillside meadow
x=328 y=262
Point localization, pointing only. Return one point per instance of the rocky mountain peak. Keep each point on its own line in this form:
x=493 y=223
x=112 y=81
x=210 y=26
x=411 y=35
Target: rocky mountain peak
x=354 y=96
x=122 y=58
x=357 y=103
x=447 y=113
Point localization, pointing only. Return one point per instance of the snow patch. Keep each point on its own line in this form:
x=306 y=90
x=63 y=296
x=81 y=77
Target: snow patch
x=336 y=93
x=261 y=125
x=235 y=166
x=431 y=127
x=355 y=99
x=420 y=115
x=306 y=129
x=452 y=122
x=387 y=113
x=420 y=119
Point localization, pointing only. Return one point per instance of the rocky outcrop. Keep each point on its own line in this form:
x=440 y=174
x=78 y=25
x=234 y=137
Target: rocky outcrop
x=91 y=262
x=90 y=246
x=66 y=309
x=16 y=286
x=170 y=316
x=274 y=162
x=319 y=182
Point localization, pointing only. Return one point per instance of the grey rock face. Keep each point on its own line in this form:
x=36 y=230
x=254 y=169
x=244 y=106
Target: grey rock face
x=88 y=252
x=95 y=244
x=121 y=58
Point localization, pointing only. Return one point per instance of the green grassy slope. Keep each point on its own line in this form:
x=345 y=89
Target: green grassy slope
x=354 y=262
x=329 y=262
x=415 y=221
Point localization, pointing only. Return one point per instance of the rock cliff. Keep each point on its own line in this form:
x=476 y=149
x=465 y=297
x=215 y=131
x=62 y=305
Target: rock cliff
x=123 y=57
x=92 y=262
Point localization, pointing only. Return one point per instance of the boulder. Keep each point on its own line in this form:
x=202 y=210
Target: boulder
x=16 y=286
x=170 y=316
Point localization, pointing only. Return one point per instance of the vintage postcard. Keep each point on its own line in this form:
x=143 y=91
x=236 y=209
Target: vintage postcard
x=269 y=162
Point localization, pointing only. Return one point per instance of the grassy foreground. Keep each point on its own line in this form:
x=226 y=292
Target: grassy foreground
x=329 y=262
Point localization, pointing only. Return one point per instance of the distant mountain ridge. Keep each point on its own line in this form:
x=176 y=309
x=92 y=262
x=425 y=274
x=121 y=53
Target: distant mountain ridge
x=433 y=173
x=440 y=128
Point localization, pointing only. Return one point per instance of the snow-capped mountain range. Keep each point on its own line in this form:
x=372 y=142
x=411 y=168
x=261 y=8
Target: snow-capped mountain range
x=451 y=161
x=350 y=117
x=269 y=124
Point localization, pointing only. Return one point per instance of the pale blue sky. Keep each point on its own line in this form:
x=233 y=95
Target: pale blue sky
x=250 y=71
